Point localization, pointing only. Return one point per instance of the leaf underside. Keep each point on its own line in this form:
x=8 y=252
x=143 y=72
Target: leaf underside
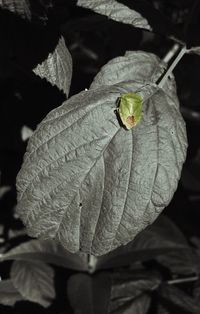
x=89 y=183
x=116 y=11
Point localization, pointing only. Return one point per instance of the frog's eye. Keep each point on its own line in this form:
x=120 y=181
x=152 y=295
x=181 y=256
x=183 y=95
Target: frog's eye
x=129 y=109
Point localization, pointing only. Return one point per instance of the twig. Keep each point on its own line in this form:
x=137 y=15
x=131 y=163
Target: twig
x=175 y=281
x=182 y=280
x=161 y=81
x=171 y=53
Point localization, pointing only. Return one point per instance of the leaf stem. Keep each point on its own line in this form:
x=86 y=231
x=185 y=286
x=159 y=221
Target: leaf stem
x=91 y=263
x=161 y=81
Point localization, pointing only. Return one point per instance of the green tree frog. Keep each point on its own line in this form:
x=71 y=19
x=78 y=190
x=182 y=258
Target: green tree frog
x=129 y=109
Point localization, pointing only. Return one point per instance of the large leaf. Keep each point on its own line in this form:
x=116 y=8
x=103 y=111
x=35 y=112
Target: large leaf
x=116 y=11
x=34 y=281
x=9 y=295
x=89 y=294
x=57 y=68
x=91 y=184
x=49 y=252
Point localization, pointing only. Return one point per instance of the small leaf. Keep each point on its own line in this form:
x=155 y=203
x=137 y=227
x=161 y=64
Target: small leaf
x=116 y=11
x=79 y=151
x=131 y=291
x=57 y=68
x=89 y=294
x=138 y=13
x=133 y=283
x=158 y=21
x=34 y=11
x=20 y=7
x=49 y=252
x=179 y=298
x=140 y=306
x=9 y=295
x=34 y=281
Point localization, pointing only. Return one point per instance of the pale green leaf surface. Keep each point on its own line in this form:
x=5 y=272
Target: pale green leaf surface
x=34 y=281
x=116 y=11
x=91 y=184
x=57 y=68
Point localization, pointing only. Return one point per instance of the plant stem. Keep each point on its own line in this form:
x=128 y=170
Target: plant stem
x=161 y=81
x=176 y=281
x=182 y=280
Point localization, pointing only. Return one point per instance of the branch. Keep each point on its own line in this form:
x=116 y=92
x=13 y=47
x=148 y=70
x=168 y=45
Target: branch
x=161 y=81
